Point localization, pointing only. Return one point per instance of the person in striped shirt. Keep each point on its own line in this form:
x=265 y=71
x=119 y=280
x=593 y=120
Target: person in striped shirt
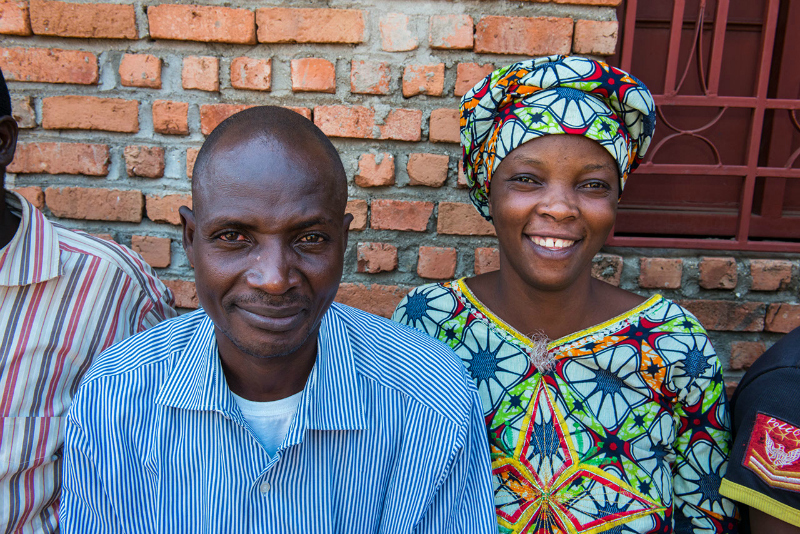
x=64 y=297
x=271 y=408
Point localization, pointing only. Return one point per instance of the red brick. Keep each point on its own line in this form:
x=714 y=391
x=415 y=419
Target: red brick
x=745 y=353
x=397 y=34
x=730 y=387
x=191 y=157
x=90 y=113
x=402 y=125
x=376 y=257
x=14 y=18
x=451 y=31
x=171 y=117
x=300 y=25
x=48 y=65
x=154 y=250
x=165 y=208
x=423 y=80
x=770 y=275
x=728 y=315
x=211 y=115
x=457 y=218
x=94 y=20
x=370 y=77
x=140 y=70
x=61 y=158
x=402 y=215
x=313 y=75
x=200 y=73
x=107 y=237
x=438 y=263
x=588 y=2
x=608 y=268
x=32 y=194
x=427 y=169
x=486 y=260
x=527 y=36
x=469 y=74
x=22 y=111
x=375 y=171
x=202 y=23
x=185 y=293
x=461 y=181
x=782 y=318
x=95 y=204
x=358 y=209
x=251 y=73
x=375 y=298
x=596 y=37
x=144 y=161
x=660 y=273
x=718 y=273
x=345 y=121
x=444 y=127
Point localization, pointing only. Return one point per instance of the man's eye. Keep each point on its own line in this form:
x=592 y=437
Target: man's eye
x=312 y=238
x=231 y=236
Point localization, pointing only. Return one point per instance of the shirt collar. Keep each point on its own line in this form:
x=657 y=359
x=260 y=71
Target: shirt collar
x=33 y=255
x=331 y=399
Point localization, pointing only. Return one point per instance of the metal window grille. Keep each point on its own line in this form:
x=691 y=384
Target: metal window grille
x=723 y=170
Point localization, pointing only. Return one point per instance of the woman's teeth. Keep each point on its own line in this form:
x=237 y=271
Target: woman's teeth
x=551 y=243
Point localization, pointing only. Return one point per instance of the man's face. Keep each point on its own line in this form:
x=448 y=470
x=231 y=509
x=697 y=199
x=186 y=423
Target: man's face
x=267 y=241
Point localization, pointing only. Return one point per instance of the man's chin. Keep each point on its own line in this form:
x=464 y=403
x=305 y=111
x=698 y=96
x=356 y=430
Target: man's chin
x=272 y=346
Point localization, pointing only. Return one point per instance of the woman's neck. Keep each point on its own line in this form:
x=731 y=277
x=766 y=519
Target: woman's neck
x=556 y=313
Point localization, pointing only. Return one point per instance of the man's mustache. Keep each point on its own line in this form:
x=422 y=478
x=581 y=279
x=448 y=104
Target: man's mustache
x=274 y=301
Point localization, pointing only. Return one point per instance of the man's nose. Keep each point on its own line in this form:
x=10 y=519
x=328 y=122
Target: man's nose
x=272 y=269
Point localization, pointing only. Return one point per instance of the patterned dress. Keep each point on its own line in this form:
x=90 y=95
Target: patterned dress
x=628 y=432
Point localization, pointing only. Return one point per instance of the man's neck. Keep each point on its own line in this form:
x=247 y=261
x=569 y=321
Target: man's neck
x=9 y=223
x=266 y=379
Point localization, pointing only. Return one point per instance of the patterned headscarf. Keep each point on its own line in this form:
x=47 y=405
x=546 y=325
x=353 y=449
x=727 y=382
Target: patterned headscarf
x=553 y=95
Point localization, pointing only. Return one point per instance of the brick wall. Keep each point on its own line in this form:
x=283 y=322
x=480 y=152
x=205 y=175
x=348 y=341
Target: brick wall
x=115 y=99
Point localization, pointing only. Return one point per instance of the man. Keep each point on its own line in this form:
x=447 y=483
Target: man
x=64 y=297
x=764 y=468
x=272 y=409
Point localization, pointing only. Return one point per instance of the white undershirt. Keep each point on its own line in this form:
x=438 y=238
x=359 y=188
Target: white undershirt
x=269 y=420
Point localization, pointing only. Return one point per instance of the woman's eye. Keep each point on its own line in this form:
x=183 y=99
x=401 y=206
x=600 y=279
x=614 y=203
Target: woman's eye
x=597 y=185
x=525 y=178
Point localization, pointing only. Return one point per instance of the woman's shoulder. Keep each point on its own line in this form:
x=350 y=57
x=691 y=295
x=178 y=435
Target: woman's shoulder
x=433 y=302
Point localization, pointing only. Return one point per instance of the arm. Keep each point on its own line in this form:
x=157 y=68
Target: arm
x=85 y=506
x=762 y=523
x=702 y=447
x=464 y=503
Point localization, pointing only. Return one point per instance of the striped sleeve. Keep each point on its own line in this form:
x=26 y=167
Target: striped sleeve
x=465 y=503
x=85 y=505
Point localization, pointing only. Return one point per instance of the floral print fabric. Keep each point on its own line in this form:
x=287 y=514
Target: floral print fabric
x=553 y=95
x=628 y=433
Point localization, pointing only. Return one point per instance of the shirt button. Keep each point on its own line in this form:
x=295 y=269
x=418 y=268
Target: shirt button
x=264 y=488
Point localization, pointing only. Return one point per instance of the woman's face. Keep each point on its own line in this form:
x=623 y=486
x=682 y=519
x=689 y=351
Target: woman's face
x=553 y=201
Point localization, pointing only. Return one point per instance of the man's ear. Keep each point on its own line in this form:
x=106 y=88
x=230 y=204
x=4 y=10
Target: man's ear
x=8 y=140
x=348 y=218
x=188 y=223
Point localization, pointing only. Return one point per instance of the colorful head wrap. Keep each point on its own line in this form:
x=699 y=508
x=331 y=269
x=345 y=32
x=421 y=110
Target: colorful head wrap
x=553 y=95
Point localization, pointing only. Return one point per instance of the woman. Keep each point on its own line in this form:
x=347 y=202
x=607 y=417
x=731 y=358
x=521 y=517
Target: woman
x=605 y=411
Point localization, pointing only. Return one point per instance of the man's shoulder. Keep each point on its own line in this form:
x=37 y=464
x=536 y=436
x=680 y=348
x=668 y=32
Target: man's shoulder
x=406 y=360
x=146 y=350
x=113 y=256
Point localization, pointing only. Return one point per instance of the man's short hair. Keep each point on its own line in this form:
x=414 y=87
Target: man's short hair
x=5 y=97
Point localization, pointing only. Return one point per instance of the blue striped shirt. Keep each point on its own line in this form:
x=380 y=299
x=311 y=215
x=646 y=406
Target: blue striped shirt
x=388 y=438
